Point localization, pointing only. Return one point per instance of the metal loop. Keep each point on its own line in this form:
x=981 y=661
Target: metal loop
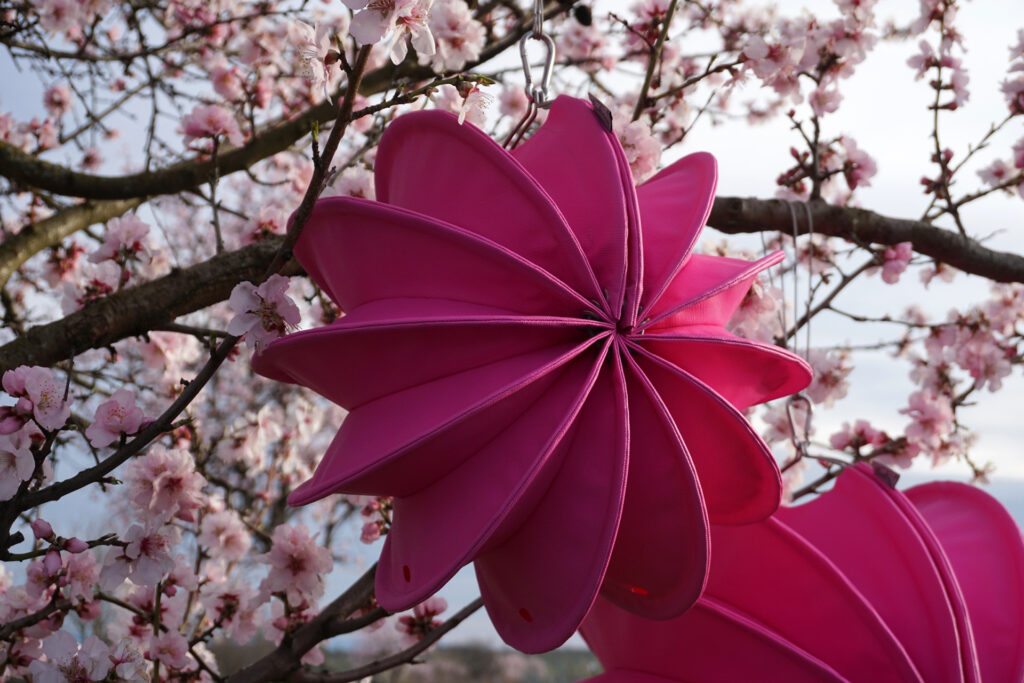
x=800 y=443
x=538 y=92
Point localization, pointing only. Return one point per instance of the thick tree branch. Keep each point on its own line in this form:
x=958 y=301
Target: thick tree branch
x=137 y=310
x=285 y=659
x=26 y=170
x=860 y=226
x=145 y=307
x=15 y=250
x=406 y=656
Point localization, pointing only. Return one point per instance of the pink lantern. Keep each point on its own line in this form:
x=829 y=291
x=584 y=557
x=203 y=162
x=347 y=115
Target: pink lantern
x=543 y=388
x=864 y=584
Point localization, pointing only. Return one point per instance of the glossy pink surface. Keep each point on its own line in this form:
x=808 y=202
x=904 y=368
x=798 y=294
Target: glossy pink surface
x=536 y=367
x=863 y=584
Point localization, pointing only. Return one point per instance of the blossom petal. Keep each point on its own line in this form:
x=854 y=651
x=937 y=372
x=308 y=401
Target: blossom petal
x=731 y=647
x=897 y=576
x=517 y=466
x=369 y=26
x=744 y=372
x=593 y=202
x=365 y=355
x=375 y=453
x=361 y=251
x=738 y=474
x=707 y=290
x=427 y=162
x=661 y=552
x=984 y=546
x=538 y=585
x=674 y=206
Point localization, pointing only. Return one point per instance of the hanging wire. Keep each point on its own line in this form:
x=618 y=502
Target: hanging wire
x=801 y=443
x=536 y=91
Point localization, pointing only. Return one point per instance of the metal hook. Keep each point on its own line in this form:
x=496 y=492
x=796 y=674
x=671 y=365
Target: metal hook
x=538 y=92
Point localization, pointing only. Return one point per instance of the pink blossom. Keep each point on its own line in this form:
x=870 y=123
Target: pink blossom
x=81 y=574
x=58 y=100
x=264 y=312
x=421 y=622
x=996 y=173
x=825 y=100
x=57 y=16
x=859 y=167
x=758 y=314
x=163 y=484
x=16 y=463
x=128 y=662
x=227 y=82
x=37 y=393
x=297 y=565
x=932 y=416
x=897 y=258
x=41 y=529
x=587 y=45
x=145 y=560
x=233 y=603
x=513 y=102
x=354 y=181
x=313 y=45
x=857 y=437
x=458 y=37
x=211 y=121
x=831 y=376
x=171 y=648
x=114 y=418
x=643 y=151
x=67 y=661
x=124 y=240
x=402 y=18
x=923 y=60
x=371 y=532
x=75 y=545
x=224 y=535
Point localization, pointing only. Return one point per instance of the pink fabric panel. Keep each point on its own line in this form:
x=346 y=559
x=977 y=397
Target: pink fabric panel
x=376 y=454
x=897 y=575
x=361 y=251
x=738 y=475
x=538 y=585
x=705 y=291
x=369 y=358
x=660 y=559
x=744 y=372
x=984 y=546
x=516 y=464
x=570 y=139
x=674 y=205
x=479 y=187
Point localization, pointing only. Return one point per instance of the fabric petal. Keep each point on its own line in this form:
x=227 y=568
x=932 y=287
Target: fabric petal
x=661 y=555
x=705 y=291
x=984 y=546
x=388 y=346
x=438 y=425
x=573 y=157
x=360 y=251
x=674 y=206
x=738 y=475
x=777 y=578
x=476 y=500
x=711 y=643
x=429 y=163
x=897 y=575
x=745 y=372
x=538 y=585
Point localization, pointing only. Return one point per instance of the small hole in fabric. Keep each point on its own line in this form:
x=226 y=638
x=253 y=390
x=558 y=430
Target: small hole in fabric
x=525 y=614
x=406 y=573
x=638 y=590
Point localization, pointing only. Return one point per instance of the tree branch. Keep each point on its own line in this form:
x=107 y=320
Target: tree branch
x=15 y=250
x=285 y=659
x=406 y=656
x=748 y=215
x=137 y=310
